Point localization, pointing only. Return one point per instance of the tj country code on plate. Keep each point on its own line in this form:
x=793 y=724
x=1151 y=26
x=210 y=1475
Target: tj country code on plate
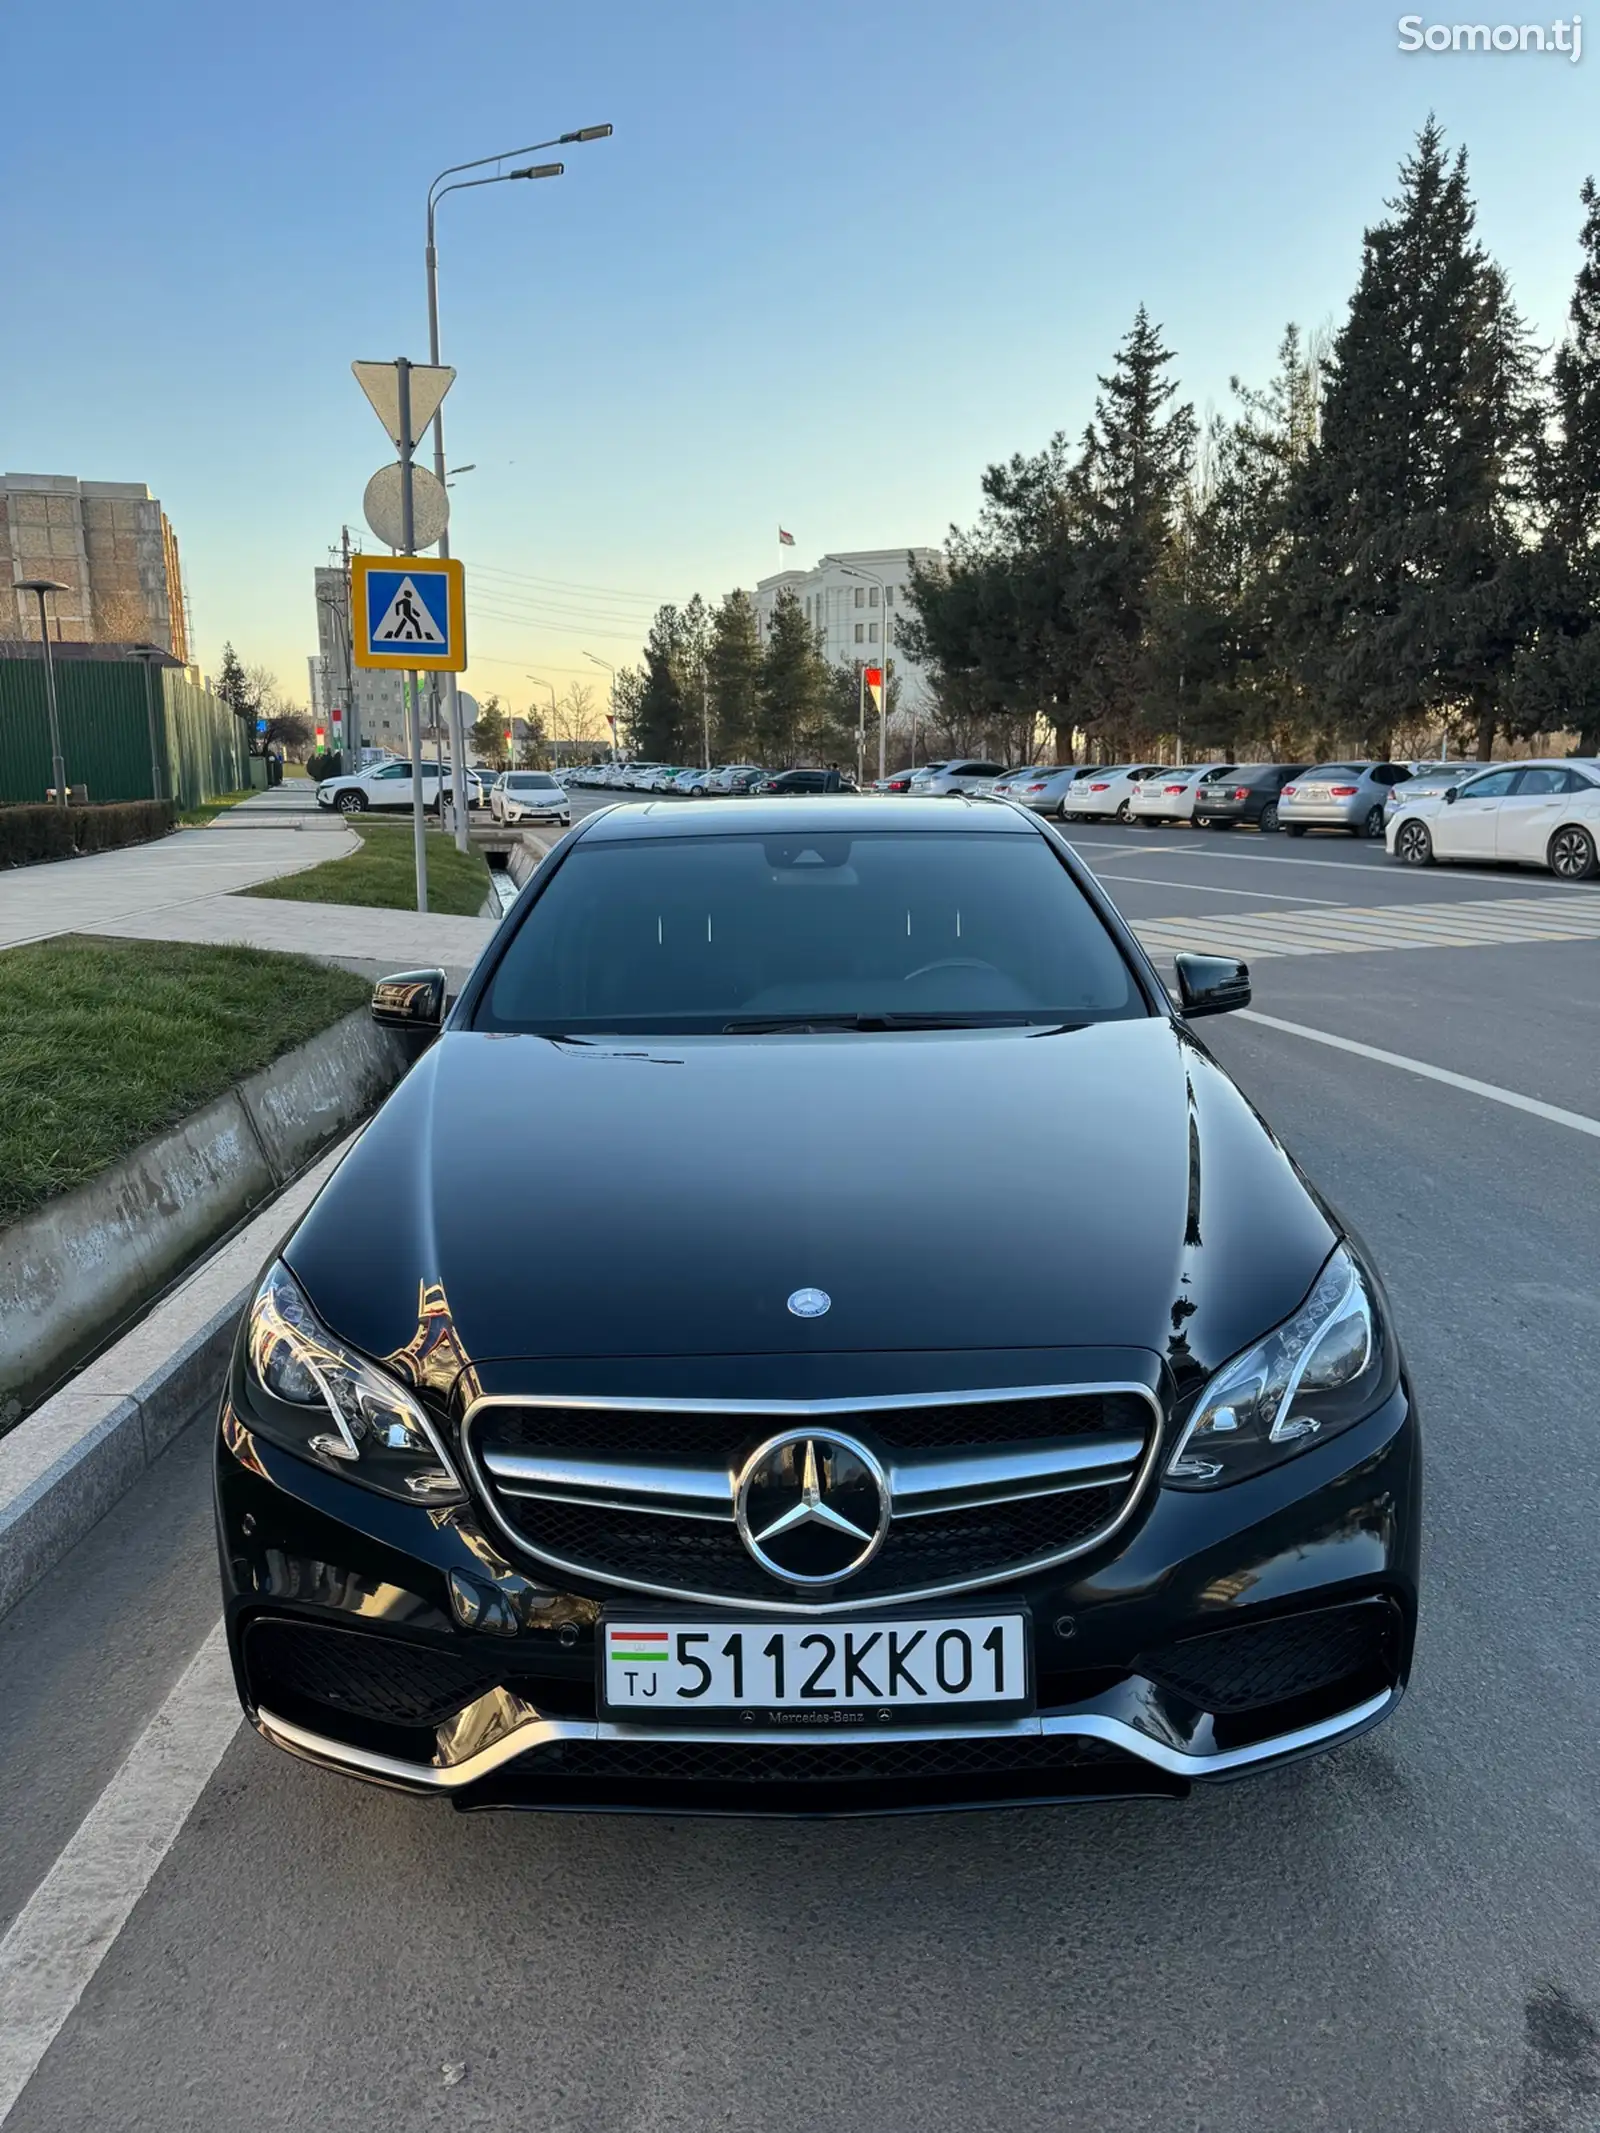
x=660 y=1670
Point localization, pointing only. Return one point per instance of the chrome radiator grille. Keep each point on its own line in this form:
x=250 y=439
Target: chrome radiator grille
x=982 y=1486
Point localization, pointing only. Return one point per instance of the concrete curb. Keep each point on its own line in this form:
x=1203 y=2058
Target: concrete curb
x=67 y=1464
x=74 y=1271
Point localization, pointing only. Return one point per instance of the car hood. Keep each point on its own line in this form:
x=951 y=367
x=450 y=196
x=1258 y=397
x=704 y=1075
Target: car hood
x=666 y=1198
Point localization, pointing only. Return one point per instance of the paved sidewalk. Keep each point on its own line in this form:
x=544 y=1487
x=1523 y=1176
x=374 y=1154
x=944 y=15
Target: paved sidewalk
x=360 y=938
x=291 y=804
x=108 y=891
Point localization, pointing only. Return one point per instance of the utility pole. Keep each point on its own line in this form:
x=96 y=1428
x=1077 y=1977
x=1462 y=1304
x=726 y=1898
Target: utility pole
x=352 y=730
x=409 y=681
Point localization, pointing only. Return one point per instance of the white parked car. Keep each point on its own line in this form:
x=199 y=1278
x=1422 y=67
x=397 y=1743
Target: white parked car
x=1169 y=795
x=529 y=796
x=385 y=785
x=1105 y=791
x=1541 y=814
x=693 y=784
x=726 y=777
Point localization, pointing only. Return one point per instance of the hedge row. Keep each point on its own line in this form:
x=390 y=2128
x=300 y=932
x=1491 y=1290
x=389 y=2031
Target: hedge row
x=29 y=834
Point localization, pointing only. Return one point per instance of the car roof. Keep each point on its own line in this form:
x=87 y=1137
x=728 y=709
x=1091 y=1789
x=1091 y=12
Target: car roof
x=818 y=812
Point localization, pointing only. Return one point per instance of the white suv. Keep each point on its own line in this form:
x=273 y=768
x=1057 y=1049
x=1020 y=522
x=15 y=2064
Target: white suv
x=384 y=785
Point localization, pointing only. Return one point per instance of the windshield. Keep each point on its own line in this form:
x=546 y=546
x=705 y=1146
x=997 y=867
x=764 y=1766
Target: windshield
x=532 y=781
x=691 y=934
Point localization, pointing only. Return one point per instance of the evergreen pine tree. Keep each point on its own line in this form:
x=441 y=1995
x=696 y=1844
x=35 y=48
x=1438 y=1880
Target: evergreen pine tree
x=795 y=686
x=734 y=673
x=1406 y=588
x=1561 y=676
x=661 y=717
x=234 y=687
x=1125 y=487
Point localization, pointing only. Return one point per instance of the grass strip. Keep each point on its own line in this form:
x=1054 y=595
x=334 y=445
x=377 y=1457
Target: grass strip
x=198 y=817
x=103 y=1043
x=381 y=874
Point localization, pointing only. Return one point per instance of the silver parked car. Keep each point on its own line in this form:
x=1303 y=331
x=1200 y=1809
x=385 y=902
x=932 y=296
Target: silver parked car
x=967 y=774
x=1045 y=788
x=1345 y=796
x=1429 y=778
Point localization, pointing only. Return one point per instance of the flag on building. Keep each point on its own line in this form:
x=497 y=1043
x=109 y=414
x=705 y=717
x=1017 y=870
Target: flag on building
x=785 y=540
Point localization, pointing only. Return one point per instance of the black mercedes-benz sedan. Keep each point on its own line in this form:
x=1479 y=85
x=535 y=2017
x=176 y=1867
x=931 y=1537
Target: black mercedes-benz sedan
x=714 y=1451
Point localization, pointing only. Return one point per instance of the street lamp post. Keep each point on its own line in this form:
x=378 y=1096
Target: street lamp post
x=436 y=192
x=339 y=620
x=871 y=577
x=58 y=767
x=611 y=670
x=539 y=682
x=148 y=656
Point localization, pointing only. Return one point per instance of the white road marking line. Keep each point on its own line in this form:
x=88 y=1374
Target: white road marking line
x=1211 y=888
x=62 y=1934
x=1578 y=1122
x=1353 y=929
x=1388 y=870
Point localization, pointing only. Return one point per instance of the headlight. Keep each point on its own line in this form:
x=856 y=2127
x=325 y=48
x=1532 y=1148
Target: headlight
x=335 y=1408
x=1319 y=1372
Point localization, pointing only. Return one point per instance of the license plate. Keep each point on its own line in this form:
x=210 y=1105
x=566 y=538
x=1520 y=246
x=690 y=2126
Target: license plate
x=663 y=1671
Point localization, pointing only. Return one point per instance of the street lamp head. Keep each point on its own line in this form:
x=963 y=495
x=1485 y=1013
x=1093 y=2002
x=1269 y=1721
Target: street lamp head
x=599 y=662
x=40 y=585
x=586 y=133
x=148 y=652
x=538 y=170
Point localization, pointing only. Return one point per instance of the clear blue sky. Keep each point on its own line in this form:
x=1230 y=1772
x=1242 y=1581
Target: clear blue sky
x=836 y=258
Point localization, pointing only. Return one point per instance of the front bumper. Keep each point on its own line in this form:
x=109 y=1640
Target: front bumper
x=1219 y=1634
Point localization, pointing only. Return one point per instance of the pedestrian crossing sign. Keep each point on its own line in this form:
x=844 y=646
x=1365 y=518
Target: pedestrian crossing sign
x=409 y=612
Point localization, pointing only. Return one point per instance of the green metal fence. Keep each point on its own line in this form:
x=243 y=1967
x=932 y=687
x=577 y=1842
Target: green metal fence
x=201 y=749
x=208 y=749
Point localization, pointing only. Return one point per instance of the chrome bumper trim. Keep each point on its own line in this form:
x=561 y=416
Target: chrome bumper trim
x=537 y=1732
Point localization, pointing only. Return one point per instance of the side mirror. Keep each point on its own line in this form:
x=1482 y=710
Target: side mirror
x=411 y=1000
x=1211 y=984
x=1452 y=795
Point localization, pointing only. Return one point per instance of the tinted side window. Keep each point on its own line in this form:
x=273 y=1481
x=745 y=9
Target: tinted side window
x=1493 y=787
x=1551 y=781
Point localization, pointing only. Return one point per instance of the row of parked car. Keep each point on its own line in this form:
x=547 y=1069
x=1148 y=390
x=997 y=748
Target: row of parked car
x=1538 y=813
x=693 y=783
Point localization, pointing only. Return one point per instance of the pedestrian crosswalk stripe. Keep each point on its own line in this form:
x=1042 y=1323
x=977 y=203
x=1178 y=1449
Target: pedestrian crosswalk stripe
x=1363 y=928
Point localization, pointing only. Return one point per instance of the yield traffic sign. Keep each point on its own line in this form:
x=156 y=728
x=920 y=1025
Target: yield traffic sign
x=381 y=384
x=410 y=612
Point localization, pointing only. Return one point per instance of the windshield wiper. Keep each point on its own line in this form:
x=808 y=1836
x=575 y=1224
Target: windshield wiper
x=769 y=1025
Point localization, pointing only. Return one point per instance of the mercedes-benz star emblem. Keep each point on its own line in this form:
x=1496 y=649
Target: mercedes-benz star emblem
x=809 y=1303
x=812 y=1507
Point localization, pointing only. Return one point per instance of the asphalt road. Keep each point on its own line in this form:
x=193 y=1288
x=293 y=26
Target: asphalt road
x=1401 y=1935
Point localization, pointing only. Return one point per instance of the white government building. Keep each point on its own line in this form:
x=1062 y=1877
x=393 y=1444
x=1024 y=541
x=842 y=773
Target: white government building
x=849 y=609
